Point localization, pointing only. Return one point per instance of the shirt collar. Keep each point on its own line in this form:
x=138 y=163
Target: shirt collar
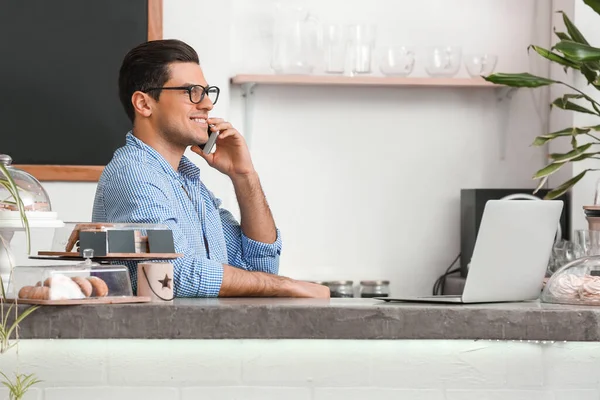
x=186 y=169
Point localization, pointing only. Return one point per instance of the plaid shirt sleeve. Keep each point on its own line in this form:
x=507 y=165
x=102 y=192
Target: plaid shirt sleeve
x=140 y=196
x=246 y=253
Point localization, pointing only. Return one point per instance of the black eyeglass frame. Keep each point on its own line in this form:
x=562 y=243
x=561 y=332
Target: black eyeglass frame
x=189 y=89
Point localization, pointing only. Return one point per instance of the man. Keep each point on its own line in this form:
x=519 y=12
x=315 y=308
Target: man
x=149 y=180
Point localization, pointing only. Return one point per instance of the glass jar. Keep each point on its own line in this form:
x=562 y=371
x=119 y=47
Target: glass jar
x=577 y=282
x=374 y=289
x=341 y=288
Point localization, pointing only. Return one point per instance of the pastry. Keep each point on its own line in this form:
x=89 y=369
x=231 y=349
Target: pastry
x=25 y=291
x=99 y=288
x=591 y=287
x=39 y=293
x=566 y=286
x=84 y=285
x=63 y=288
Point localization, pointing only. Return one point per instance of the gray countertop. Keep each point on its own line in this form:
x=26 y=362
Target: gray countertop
x=263 y=318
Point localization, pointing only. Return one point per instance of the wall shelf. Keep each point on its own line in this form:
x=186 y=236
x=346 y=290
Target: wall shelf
x=249 y=81
x=339 y=80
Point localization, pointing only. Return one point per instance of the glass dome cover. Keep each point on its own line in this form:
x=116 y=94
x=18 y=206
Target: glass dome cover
x=33 y=195
x=577 y=282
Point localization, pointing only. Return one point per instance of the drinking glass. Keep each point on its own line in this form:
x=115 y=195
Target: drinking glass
x=362 y=41
x=589 y=241
x=443 y=61
x=480 y=64
x=335 y=45
x=397 y=61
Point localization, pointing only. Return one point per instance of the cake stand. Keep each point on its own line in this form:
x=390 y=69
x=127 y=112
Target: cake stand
x=10 y=222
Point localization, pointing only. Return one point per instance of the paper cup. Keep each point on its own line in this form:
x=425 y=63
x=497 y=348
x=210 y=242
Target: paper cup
x=155 y=280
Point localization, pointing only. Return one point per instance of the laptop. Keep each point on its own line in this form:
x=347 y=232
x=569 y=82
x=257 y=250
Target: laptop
x=511 y=253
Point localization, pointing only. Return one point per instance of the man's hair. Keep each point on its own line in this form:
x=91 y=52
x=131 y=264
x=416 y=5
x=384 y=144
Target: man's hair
x=147 y=65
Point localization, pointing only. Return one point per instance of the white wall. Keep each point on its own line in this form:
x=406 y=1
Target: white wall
x=365 y=182
x=307 y=369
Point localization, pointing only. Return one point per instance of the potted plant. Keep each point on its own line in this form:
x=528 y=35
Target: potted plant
x=573 y=51
x=22 y=382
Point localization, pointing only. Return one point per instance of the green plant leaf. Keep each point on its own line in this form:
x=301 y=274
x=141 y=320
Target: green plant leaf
x=555 y=57
x=578 y=51
x=585 y=156
x=590 y=75
x=548 y=170
x=562 y=35
x=594 y=128
x=576 y=35
x=574 y=131
x=541 y=184
x=562 y=189
x=594 y=4
x=564 y=104
x=560 y=157
x=20 y=318
x=519 y=80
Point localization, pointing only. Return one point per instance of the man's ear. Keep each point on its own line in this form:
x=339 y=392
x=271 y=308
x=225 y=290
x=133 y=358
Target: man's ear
x=142 y=103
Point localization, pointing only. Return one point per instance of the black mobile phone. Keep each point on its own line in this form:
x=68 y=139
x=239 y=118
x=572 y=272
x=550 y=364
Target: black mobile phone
x=212 y=138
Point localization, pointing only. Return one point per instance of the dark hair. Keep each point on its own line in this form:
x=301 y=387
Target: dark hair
x=147 y=65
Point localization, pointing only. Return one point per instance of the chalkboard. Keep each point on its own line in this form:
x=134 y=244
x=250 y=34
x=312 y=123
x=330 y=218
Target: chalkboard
x=59 y=105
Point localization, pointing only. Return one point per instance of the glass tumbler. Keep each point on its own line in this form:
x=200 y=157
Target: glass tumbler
x=361 y=42
x=335 y=46
x=589 y=241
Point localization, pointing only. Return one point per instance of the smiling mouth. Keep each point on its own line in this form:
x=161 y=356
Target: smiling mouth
x=201 y=121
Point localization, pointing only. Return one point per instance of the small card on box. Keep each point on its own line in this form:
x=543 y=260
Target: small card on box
x=160 y=241
x=93 y=240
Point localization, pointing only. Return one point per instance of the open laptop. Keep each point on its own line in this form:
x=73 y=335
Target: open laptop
x=511 y=253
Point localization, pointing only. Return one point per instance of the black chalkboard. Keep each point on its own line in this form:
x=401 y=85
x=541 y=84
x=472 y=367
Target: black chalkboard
x=59 y=66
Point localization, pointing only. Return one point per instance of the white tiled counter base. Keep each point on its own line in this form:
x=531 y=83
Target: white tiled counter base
x=307 y=369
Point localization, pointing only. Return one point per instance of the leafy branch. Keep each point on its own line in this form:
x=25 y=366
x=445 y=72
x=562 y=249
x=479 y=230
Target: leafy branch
x=573 y=51
x=20 y=386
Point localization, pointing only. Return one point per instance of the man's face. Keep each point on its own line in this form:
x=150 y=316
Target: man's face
x=176 y=118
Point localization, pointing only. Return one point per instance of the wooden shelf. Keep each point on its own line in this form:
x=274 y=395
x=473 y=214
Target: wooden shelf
x=316 y=80
x=65 y=173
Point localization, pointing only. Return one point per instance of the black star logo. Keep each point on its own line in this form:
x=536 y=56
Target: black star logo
x=166 y=283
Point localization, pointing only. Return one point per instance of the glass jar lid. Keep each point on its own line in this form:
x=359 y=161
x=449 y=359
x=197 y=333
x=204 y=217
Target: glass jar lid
x=375 y=283
x=30 y=190
x=340 y=283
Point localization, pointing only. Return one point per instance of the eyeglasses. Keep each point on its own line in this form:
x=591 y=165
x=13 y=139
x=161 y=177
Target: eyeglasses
x=196 y=92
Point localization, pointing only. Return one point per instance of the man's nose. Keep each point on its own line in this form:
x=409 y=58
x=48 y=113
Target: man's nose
x=205 y=104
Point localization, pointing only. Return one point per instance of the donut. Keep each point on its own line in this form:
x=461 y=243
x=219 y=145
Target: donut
x=99 y=288
x=39 y=293
x=84 y=285
x=25 y=292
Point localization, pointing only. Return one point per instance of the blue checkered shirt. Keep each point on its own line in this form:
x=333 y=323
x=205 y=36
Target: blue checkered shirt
x=139 y=186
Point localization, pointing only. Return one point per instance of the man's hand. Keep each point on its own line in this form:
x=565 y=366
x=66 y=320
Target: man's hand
x=231 y=157
x=308 y=289
x=240 y=283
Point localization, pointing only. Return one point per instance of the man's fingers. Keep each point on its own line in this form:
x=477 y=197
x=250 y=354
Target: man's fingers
x=200 y=152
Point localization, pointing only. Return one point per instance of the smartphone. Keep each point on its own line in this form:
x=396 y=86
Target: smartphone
x=212 y=138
